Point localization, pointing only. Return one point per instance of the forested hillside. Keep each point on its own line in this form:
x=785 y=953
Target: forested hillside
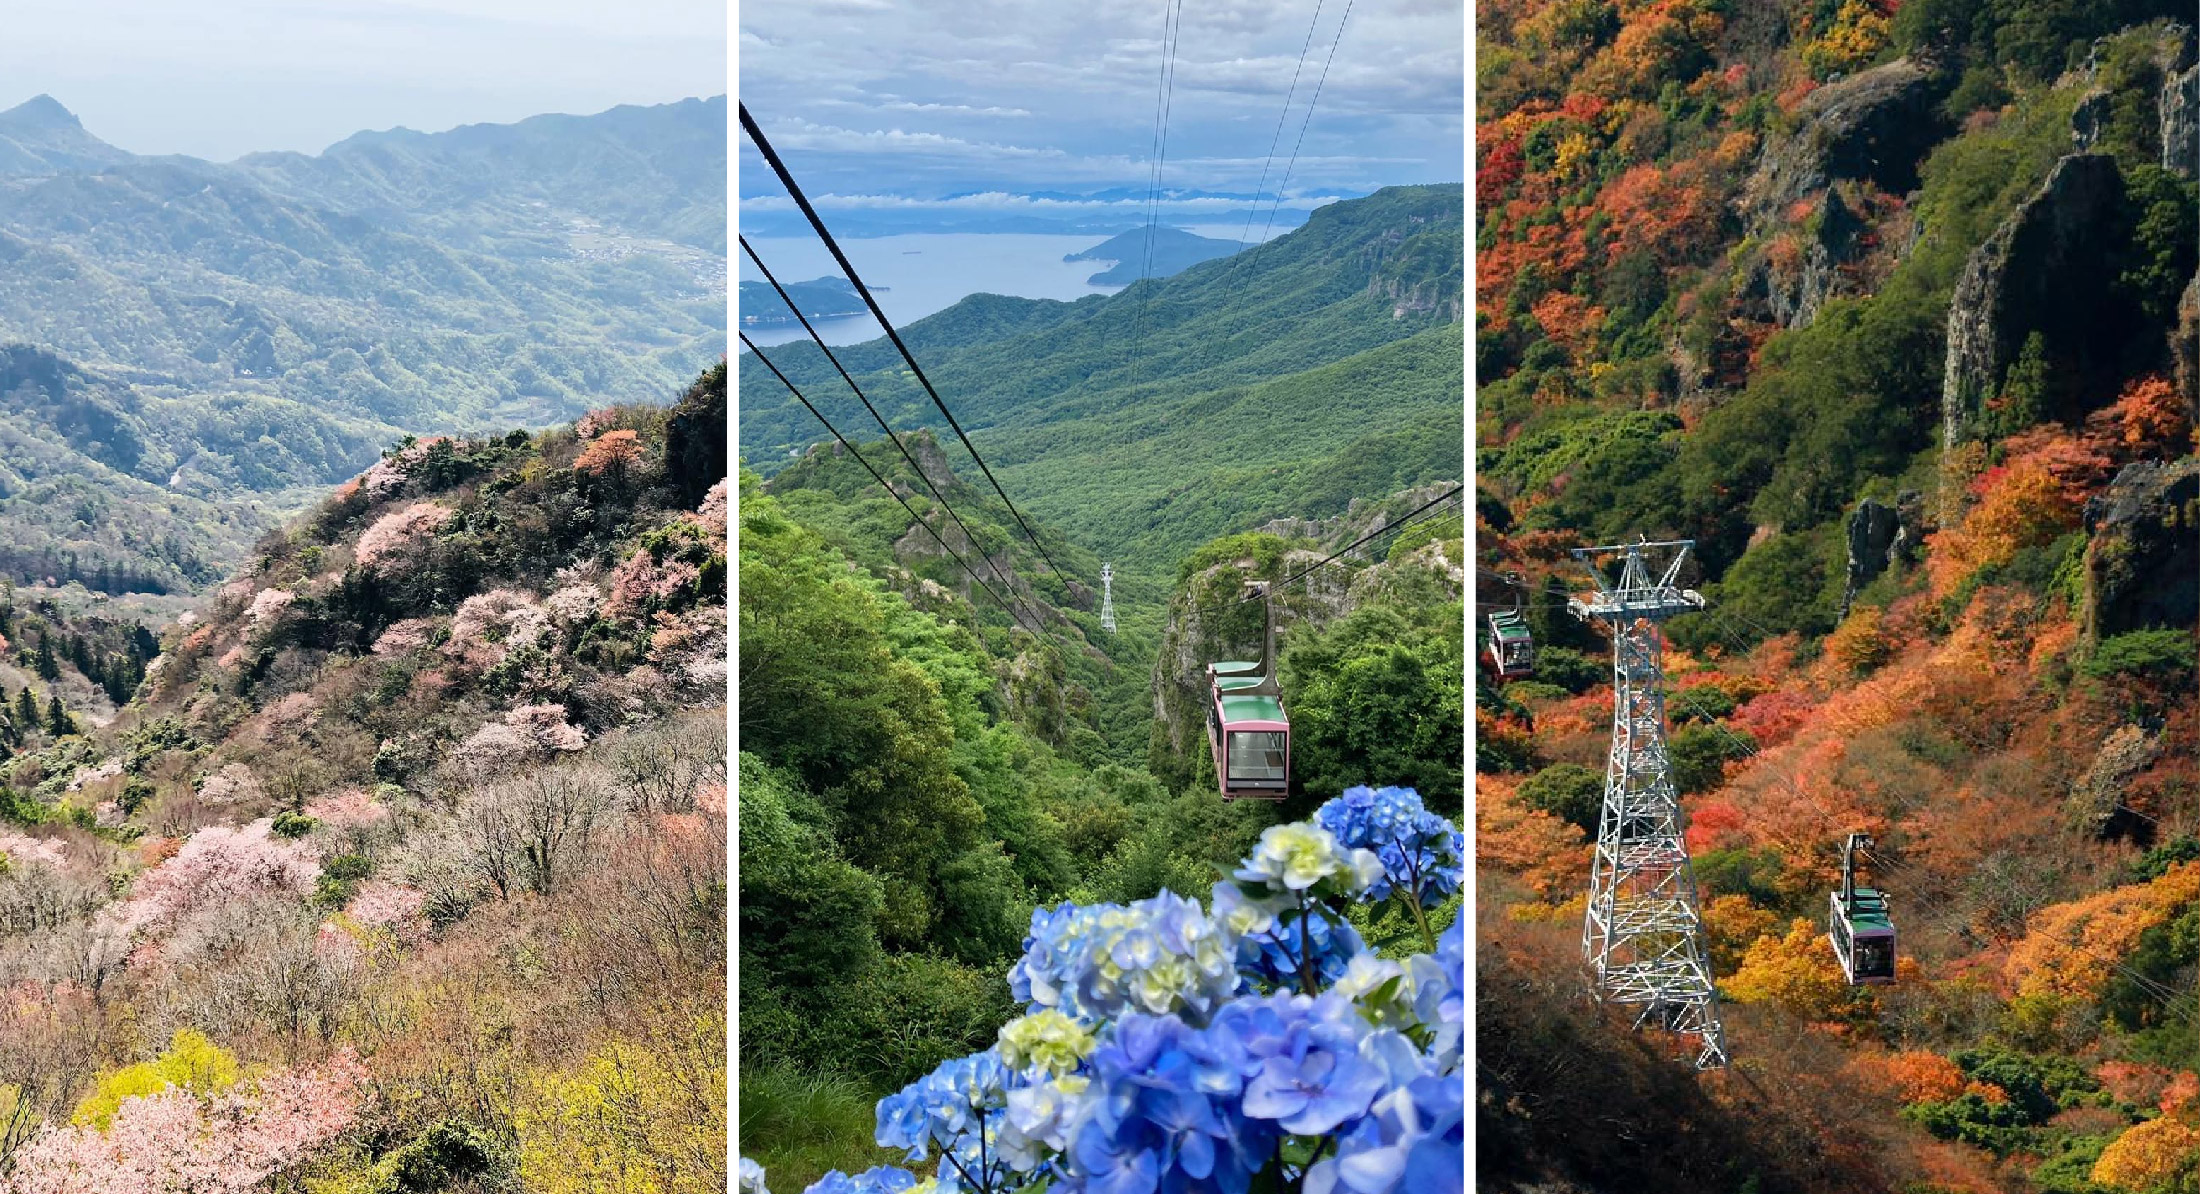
x=231 y=332
x=1893 y=309
x=403 y=867
x=919 y=772
x=1279 y=382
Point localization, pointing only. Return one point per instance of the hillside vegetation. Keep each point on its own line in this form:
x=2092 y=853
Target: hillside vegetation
x=1893 y=309
x=403 y=868
x=919 y=773
x=240 y=334
x=1146 y=422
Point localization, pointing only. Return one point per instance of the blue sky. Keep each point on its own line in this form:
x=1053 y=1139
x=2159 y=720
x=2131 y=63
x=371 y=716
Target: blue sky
x=886 y=104
x=221 y=78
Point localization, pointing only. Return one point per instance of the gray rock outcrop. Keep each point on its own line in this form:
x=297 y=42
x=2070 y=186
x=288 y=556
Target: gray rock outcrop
x=2048 y=268
x=2142 y=559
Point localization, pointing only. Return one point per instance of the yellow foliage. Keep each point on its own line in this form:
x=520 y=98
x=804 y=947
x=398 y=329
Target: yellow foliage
x=2070 y=946
x=1856 y=36
x=1732 y=923
x=1797 y=973
x=191 y=1061
x=2150 y=1154
x=1573 y=153
x=1861 y=642
x=637 y=1118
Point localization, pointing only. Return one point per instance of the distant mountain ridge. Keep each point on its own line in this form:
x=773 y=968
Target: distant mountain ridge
x=256 y=329
x=1158 y=253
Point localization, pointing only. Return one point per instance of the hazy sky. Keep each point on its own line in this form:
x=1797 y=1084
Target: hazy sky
x=221 y=78
x=898 y=100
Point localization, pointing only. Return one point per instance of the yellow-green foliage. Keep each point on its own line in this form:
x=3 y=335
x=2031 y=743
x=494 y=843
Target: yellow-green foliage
x=191 y=1062
x=633 y=1119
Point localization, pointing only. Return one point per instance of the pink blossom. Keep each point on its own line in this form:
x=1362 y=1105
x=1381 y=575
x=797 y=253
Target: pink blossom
x=712 y=513
x=403 y=638
x=174 y=1141
x=351 y=808
x=493 y=748
x=232 y=657
x=393 y=534
x=546 y=726
x=292 y=715
x=392 y=906
x=573 y=605
x=92 y=775
x=490 y=625
x=22 y=850
x=268 y=608
x=219 y=865
x=232 y=784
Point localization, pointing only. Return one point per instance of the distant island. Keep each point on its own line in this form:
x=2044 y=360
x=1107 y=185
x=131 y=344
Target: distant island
x=821 y=298
x=1173 y=250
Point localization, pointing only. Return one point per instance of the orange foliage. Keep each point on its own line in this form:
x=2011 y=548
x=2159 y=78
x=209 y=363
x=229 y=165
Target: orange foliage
x=610 y=454
x=2021 y=504
x=1548 y=854
x=1988 y=1091
x=1772 y=718
x=2148 y=419
x=2069 y=948
x=1567 y=318
x=1919 y=1076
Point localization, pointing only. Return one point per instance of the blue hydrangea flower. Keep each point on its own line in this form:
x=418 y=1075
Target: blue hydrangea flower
x=1270 y=954
x=1413 y=1141
x=1164 y=1113
x=940 y=1109
x=883 y=1179
x=1157 y=956
x=1423 y=854
x=752 y=1178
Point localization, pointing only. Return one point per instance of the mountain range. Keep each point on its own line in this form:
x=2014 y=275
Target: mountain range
x=1283 y=381
x=204 y=339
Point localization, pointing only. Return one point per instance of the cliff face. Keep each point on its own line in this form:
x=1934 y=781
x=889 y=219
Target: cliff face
x=2049 y=268
x=1209 y=622
x=2142 y=565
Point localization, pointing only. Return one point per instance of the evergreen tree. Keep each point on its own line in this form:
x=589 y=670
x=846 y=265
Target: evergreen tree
x=49 y=668
x=26 y=710
x=58 y=721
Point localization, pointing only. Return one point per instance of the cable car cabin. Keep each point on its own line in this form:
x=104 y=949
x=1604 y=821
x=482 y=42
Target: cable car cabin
x=1511 y=651
x=1863 y=937
x=1859 y=927
x=1248 y=733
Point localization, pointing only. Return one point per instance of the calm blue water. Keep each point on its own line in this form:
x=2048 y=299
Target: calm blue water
x=921 y=273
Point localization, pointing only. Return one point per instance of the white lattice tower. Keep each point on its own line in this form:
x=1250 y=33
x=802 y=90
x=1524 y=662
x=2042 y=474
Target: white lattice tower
x=1642 y=938
x=1107 y=598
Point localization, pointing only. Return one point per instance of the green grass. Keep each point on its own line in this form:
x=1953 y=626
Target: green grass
x=798 y=1125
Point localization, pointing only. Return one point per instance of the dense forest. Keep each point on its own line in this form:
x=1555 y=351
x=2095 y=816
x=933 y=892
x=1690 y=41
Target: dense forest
x=401 y=865
x=1892 y=308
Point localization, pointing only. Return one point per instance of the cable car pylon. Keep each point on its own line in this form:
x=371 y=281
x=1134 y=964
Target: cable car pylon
x=1107 y=598
x=1642 y=938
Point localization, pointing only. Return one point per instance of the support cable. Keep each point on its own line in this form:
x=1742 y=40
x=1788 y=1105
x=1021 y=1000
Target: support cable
x=891 y=492
x=794 y=191
x=937 y=496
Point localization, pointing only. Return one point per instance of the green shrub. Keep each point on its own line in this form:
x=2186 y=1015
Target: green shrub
x=292 y=825
x=1569 y=791
x=2158 y=655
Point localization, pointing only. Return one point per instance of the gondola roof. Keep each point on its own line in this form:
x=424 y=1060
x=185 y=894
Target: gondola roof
x=1868 y=910
x=1251 y=708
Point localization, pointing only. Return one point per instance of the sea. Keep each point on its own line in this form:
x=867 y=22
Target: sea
x=917 y=274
